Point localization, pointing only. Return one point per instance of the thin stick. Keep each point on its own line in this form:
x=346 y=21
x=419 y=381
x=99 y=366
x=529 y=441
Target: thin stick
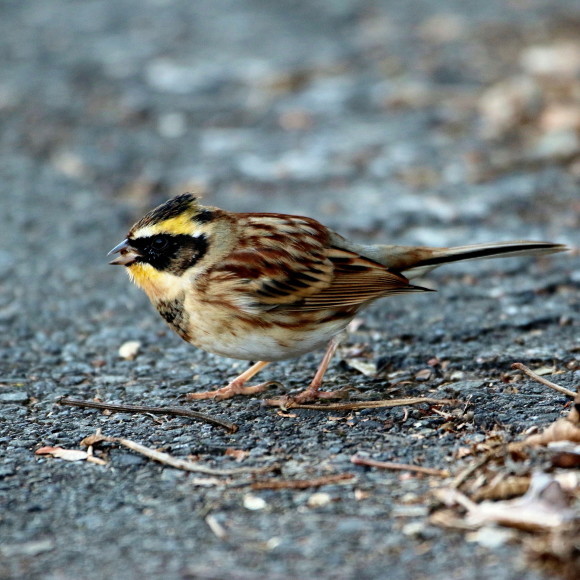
x=442 y=414
x=542 y=380
x=218 y=530
x=358 y=460
x=462 y=476
x=302 y=483
x=231 y=427
x=182 y=464
x=289 y=404
x=167 y=459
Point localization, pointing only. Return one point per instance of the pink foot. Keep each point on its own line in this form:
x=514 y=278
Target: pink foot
x=229 y=391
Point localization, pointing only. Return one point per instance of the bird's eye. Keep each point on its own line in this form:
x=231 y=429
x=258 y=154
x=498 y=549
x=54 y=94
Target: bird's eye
x=159 y=244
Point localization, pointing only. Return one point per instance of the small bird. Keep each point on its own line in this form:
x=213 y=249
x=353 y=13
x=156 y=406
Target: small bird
x=267 y=287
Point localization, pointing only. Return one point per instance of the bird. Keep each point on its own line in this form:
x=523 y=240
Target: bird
x=268 y=287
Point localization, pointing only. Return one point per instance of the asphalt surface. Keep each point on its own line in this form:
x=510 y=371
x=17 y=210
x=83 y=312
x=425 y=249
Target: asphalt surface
x=365 y=115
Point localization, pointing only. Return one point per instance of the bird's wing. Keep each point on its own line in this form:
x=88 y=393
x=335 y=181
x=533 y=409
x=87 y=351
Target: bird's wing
x=357 y=280
x=278 y=260
x=287 y=262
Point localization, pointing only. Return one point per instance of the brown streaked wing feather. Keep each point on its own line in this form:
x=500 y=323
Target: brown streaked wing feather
x=357 y=280
x=279 y=260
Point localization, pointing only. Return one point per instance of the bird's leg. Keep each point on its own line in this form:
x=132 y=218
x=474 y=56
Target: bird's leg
x=236 y=387
x=312 y=392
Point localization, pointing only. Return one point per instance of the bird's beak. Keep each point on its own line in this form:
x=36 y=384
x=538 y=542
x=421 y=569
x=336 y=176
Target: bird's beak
x=127 y=254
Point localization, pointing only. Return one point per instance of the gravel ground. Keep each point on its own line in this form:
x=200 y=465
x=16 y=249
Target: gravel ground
x=417 y=122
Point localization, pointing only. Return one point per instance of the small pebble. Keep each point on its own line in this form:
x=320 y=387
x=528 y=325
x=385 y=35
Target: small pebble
x=410 y=511
x=254 y=502
x=413 y=528
x=17 y=397
x=491 y=536
x=130 y=349
x=319 y=499
x=28 y=549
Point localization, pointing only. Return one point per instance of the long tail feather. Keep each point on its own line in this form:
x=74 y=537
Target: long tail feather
x=416 y=261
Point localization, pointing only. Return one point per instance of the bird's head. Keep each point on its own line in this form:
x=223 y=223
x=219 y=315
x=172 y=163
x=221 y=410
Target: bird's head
x=168 y=242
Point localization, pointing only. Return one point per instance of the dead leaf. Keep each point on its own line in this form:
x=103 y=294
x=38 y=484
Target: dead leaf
x=369 y=369
x=568 y=459
x=560 y=430
x=448 y=518
x=288 y=415
x=543 y=507
x=545 y=371
x=237 y=454
x=424 y=375
x=463 y=452
x=507 y=487
x=66 y=454
x=95 y=438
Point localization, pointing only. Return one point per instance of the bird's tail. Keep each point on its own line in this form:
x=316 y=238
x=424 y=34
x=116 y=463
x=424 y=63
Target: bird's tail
x=415 y=261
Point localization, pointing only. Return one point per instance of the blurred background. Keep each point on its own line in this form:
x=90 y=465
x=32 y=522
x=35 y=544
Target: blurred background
x=414 y=121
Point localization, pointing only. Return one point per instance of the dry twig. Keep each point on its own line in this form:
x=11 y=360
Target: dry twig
x=357 y=405
x=462 y=476
x=178 y=411
x=358 y=460
x=218 y=530
x=167 y=459
x=542 y=380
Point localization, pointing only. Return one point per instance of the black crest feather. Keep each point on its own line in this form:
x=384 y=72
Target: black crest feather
x=170 y=209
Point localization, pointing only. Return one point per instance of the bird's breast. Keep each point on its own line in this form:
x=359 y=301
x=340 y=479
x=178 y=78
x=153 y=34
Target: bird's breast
x=267 y=336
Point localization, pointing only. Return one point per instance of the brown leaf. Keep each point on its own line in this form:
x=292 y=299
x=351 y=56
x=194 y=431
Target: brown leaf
x=369 y=369
x=511 y=486
x=237 y=454
x=66 y=454
x=463 y=452
x=560 y=430
x=567 y=459
x=424 y=375
x=96 y=438
x=543 y=507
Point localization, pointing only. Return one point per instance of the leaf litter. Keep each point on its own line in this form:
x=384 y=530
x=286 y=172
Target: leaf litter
x=500 y=489
x=484 y=497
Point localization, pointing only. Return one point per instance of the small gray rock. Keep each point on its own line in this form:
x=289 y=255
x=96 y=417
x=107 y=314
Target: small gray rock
x=16 y=397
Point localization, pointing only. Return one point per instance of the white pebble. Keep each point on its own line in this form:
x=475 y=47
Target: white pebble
x=254 y=502
x=319 y=499
x=129 y=349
